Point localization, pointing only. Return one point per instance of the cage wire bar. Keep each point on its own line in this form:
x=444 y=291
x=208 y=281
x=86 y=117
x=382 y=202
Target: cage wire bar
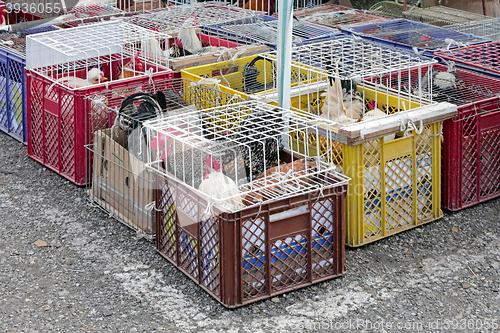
x=90 y=14
x=120 y=183
x=288 y=235
x=82 y=61
x=489 y=29
x=185 y=24
x=264 y=30
x=421 y=37
x=334 y=16
x=386 y=136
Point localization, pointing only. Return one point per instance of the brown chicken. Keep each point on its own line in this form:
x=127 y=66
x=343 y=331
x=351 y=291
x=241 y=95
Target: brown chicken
x=299 y=167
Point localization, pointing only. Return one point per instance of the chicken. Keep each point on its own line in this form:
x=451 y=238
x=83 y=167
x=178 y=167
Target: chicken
x=132 y=68
x=375 y=114
x=286 y=178
x=219 y=186
x=341 y=104
x=258 y=141
x=94 y=76
x=188 y=37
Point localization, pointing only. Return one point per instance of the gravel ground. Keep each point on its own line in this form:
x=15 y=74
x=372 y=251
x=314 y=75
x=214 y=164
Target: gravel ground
x=97 y=275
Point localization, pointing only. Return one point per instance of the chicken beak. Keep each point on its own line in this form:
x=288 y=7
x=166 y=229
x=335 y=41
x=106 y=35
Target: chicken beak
x=104 y=79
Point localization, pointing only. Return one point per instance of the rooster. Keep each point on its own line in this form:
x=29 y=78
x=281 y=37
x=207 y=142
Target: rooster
x=94 y=76
x=188 y=37
x=220 y=186
x=132 y=68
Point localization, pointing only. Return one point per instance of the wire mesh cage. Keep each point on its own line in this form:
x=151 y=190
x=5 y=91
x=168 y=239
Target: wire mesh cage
x=280 y=230
x=190 y=45
x=332 y=16
x=386 y=132
x=489 y=29
x=264 y=30
x=481 y=58
x=253 y=77
x=89 y=14
x=13 y=82
x=434 y=15
x=425 y=38
x=466 y=178
x=80 y=62
x=120 y=183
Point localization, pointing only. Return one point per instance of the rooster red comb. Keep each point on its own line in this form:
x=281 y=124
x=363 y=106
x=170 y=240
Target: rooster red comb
x=212 y=163
x=372 y=105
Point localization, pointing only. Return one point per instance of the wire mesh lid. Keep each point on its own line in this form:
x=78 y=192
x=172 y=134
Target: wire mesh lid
x=16 y=42
x=357 y=58
x=264 y=30
x=85 y=42
x=344 y=18
x=86 y=14
x=482 y=56
x=207 y=13
x=488 y=28
x=230 y=133
x=416 y=34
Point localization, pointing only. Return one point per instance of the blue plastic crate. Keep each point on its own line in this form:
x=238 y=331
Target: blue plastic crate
x=13 y=82
x=263 y=30
x=407 y=34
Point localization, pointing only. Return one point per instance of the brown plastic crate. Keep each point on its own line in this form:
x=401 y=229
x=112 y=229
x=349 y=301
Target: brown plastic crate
x=232 y=250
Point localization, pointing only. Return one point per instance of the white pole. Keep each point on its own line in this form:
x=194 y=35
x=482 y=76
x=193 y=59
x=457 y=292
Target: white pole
x=284 y=61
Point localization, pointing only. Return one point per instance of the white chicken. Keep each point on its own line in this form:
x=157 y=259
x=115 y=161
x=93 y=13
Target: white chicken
x=188 y=37
x=343 y=108
x=215 y=183
x=94 y=76
x=375 y=114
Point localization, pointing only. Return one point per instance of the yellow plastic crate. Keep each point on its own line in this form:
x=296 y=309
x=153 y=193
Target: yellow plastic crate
x=394 y=185
x=260 y=84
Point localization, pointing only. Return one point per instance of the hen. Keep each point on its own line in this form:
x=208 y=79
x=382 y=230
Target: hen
x=219 y=186
x=132 y=68
x=94 y=76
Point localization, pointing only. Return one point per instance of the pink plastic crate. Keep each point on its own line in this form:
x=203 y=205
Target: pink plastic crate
x=58 y=118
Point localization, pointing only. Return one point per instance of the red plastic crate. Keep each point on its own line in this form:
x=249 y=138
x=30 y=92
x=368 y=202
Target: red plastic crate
x=253 y=254
x=471 y=141
x=59 y=120
x=471 y=155
x=482 y=58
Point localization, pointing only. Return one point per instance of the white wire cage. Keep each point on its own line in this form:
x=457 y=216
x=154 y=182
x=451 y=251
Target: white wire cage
x=191 y=45
x=350 y=80
x=264 y=30
x=92 y=54
x=489 y=29
x=120 y=184
x=238 y=156
x=89 y=14
x=334 y=16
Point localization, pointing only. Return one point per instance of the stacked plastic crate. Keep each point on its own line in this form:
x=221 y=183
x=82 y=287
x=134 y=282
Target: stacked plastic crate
x=239 y=211
x=386 y=137
x=473 y=175
x=184 y=24
x=421 y=37
x=79 y=62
